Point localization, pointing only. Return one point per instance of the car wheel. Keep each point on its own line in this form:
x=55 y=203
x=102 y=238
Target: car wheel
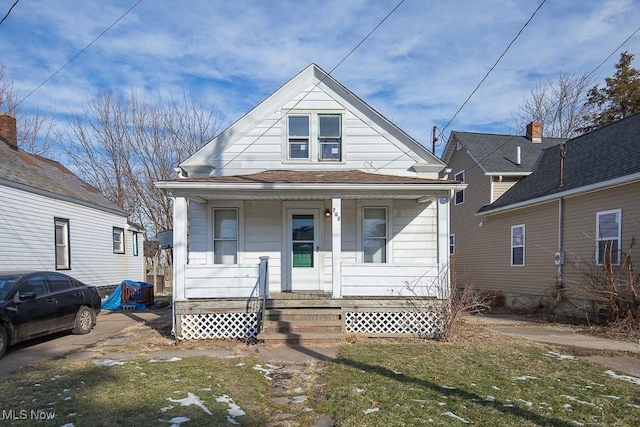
x=4 y=340
x=84 y=321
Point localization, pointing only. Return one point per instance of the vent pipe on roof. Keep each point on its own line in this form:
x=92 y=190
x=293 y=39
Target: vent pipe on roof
x=518 y=155
x=563 y=155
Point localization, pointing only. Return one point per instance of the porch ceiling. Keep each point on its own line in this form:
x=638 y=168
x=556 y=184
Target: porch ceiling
x=303 y=197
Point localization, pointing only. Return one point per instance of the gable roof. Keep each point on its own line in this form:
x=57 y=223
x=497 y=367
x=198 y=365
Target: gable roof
x=311 y=75
x=30 y=172
x=606 y=156
x=496 y=153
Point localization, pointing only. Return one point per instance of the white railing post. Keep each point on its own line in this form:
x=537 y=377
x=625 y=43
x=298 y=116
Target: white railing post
x=263 y=277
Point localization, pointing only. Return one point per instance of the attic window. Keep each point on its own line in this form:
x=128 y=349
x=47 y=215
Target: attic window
x=330 y=136
x=298 y=137
x=459 y=196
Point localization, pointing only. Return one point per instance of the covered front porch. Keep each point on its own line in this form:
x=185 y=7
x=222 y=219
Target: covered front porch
x=366 y=246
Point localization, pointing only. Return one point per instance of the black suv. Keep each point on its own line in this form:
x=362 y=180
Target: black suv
x=38 y=303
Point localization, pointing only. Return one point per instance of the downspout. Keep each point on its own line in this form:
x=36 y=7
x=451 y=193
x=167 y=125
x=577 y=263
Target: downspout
x=560 y=259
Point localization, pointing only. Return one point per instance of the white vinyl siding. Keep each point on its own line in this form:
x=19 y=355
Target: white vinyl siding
x=459 y=196
x=517 y=245
x=63 y=250
x=608 y=236
x=32 y=246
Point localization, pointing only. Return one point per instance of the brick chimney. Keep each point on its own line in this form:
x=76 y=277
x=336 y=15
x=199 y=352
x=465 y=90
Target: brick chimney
x=8 y=130
x=534 y=132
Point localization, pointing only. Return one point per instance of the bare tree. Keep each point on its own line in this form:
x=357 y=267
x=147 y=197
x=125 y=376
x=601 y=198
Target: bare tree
x=559 y=104
x=122 y=146
x=35 y=132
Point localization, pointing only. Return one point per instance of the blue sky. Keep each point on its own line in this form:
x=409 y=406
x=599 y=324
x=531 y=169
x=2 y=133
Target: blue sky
x=417 y=68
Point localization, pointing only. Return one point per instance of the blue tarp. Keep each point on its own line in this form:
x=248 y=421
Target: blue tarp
x=114 y=302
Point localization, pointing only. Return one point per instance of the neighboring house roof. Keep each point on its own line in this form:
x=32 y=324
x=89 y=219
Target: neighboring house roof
x=496 y=153
x=30 y=172
x=606 y=156
x=201 y=161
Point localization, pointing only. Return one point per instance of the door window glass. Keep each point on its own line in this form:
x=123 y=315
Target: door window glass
x=302 y=240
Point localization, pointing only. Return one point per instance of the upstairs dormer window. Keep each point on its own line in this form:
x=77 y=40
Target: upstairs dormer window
x=298 y=137
x=313 y=136
x=330 y=137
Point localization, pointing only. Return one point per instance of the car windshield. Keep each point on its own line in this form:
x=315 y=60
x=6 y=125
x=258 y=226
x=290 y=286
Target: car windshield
x=6 y=282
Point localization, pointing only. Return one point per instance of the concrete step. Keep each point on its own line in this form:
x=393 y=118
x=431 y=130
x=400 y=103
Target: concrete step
x=300 y=338
x=296 y=326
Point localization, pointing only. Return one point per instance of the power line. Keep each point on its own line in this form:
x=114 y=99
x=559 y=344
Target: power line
x=79 y=53
x=10 y=9
x=494 y=65
x=316 y=85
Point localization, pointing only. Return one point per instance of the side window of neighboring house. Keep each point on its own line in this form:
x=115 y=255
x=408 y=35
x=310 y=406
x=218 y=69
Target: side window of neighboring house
x=63 y=248
x=225 y=236
x=118 y=240
x=136 y=243
x=517 y=245
x=608 y=236
x=452 y=244
x=459 y=197
x=298 y=137
x=374 y=234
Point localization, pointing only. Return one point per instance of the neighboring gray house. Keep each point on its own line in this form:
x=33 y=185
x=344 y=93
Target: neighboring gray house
x=52 y=220
x=579 y=206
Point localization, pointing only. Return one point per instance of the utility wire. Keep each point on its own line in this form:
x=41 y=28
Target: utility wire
x=316 y=85
x=79 y=53
x=494 y=65
x=10 y=9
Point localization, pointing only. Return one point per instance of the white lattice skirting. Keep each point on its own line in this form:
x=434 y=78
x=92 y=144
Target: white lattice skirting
x=218 y=325
x=427 y=324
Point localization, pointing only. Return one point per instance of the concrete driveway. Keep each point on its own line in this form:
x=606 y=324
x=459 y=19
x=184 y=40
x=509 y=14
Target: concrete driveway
x=54 y=346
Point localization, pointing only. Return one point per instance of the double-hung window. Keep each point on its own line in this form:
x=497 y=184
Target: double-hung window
x=298 y=136
x=63 y=251
x=452 y=244
x=517 y=245
x=459 y=197
x=330 y=136
x=374 y=234
x=136 y=243
x=118 y=240
x=225 y=236
x=608 y=235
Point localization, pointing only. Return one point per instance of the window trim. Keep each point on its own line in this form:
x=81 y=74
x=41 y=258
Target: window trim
x=461 y=192
x=314 y=141
x=523 y=246
x=618 y=212
x=67 y=234
x=135 y=241
x=120 y=231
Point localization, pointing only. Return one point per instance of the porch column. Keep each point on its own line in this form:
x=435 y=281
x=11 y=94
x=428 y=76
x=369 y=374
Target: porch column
x=179 y=246
x=444 y=265
x=336 y=245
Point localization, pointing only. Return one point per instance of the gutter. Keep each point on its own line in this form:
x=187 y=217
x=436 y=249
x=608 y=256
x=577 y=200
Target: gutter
x=628 y=179
x=166 y=185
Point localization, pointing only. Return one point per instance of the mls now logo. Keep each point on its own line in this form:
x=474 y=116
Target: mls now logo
x=23 y=414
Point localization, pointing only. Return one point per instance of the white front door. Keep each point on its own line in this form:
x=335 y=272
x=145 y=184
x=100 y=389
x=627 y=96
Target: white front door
x=303 y=246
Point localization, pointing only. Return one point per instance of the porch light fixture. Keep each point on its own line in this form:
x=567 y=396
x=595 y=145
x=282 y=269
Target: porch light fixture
x=327 y=213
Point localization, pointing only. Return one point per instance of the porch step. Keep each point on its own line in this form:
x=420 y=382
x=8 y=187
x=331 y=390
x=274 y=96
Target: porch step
x=292 y=338
x=301 y=326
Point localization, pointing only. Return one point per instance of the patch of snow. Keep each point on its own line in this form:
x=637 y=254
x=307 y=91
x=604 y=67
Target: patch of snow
x=191 y=399
x=307 y=409
x=166 y=408
x=490 y=399
x=274 y=367
x=446 y=387
x=507 y=405
x=452 y=415
x=526 y=402
x=525 y=377
x=206 y=389
x=298 y=399
x=57 y=377
x=633 y=405
x=609 y=396
x=575 y=399
x=240 y=364
x=566 y=406
x=495 y=388
x=297 y=390
x=176 y=421
x=232 y=420
x=73 y=414
x=304 y=376
x=67 y=398
x=359 y=390
x=268 y=370
x=578 y=423
x=623 y=377
x=234 y=410
x=172 y=359
x=441 y=403
x=69 y=425
x=419 y=400
x=370 y=411
x=107 y=362
x=397 y=372
x=559 y=356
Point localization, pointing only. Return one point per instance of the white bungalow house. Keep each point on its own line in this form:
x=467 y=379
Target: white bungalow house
x=312 y=199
